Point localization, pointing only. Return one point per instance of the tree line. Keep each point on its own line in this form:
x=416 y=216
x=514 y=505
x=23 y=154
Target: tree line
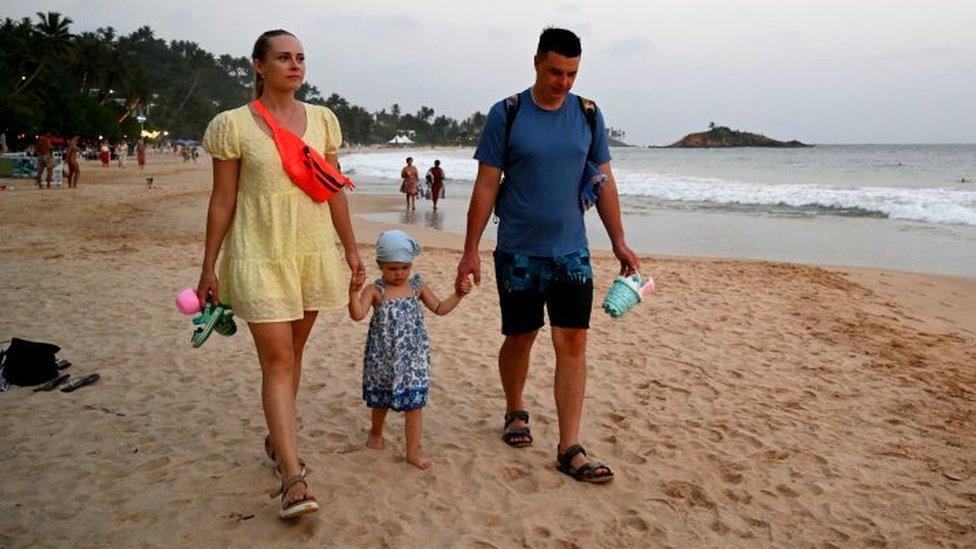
x=102 y=83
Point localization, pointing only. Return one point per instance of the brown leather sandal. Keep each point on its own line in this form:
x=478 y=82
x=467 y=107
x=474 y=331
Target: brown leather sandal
x=296 y=507
x=593 y=472
x=269 y=450
x=518 y=437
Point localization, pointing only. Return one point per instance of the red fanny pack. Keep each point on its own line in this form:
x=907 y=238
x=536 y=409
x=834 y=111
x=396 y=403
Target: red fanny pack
x=306 y=168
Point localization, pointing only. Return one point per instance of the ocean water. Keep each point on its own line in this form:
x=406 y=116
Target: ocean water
x=907 y=207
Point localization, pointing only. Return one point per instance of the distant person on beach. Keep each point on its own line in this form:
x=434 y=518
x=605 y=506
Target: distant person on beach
x=411 y=183
x=104 y=153
x=280 y=265
x=396 y=365
x=542 y=260
x=435 y=176
x=141 y=153
x=3 y=143
x=74 y=168
x=45 y=160
x=122 y=153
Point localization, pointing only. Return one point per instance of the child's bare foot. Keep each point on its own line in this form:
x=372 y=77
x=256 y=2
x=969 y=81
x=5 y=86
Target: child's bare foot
x=376 y=442
x=419 y=462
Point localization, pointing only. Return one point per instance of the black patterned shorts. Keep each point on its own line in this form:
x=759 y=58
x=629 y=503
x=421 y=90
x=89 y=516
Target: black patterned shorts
x=526 y=284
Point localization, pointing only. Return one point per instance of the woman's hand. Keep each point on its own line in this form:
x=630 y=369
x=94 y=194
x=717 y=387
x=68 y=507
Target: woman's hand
x=208 y=288
x=356 y=268
x=356 y=281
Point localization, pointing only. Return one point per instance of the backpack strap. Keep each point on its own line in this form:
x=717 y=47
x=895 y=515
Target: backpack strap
x=511 y=109
x=512 y=104
x=588 y=107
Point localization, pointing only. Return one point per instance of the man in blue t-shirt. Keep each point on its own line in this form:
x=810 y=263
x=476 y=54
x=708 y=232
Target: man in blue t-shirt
x=541 y=141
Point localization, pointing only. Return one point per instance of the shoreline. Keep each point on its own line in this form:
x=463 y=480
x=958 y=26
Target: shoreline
x=368 y=205
x=598 y=240
x=862 y=209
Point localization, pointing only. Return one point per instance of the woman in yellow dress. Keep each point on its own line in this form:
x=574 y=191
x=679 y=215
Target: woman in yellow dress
x=280 y=265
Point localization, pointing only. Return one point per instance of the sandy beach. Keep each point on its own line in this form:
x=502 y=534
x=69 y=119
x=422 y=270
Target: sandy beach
x=748 y=403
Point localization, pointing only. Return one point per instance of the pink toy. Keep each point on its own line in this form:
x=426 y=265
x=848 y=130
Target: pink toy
x=187 y=302
x=648 y=288
x=625 y=293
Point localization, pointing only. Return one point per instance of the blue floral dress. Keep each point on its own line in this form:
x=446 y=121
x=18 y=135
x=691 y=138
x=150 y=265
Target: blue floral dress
x=396 y=367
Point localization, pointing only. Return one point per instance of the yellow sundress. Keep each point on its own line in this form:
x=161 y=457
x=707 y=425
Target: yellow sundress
x=279 y=257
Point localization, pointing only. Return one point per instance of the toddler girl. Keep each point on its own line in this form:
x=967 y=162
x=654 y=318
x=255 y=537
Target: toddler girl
x=396 y=366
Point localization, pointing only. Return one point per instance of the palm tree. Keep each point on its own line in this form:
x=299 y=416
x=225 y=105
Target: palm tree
x=198 y=61
x=425 y=114
x=16 y=38
x=53 y=42
x=136 y=87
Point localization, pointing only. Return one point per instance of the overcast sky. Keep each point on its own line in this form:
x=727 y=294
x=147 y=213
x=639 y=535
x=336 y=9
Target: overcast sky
x=824 y=71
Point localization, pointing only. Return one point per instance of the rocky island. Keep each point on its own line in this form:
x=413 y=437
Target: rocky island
x=721 y=136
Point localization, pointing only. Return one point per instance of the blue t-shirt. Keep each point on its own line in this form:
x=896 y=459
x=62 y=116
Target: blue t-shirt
x=538 y=203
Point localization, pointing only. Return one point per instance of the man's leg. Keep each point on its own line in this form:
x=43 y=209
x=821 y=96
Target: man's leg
x=570 y=383
x=513 y=366
x=570 y=303
x=522 y=307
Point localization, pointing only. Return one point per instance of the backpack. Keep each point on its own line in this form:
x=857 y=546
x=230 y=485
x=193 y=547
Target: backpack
x=30 y=363
x=512 y=104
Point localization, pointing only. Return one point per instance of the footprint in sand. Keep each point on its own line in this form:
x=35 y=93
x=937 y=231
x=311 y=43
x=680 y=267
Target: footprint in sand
x=690 y=492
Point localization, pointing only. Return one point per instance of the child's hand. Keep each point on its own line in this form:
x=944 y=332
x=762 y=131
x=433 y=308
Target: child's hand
x=464 y=287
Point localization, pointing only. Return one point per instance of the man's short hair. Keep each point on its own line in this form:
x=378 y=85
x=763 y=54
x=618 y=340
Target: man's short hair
x=561 y=41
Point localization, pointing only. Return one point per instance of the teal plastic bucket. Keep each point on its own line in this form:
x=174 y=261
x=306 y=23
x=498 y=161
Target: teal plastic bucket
x=625 y=292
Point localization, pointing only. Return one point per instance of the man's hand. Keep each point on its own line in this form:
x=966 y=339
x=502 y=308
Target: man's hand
x=629 y=264
x=470 y=264
x=463 y=287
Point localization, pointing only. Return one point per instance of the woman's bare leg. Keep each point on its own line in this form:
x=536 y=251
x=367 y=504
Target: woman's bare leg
x=274 y=342
x=300 y=330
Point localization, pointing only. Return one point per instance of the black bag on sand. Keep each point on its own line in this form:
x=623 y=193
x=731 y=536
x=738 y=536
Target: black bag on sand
x=30 y=363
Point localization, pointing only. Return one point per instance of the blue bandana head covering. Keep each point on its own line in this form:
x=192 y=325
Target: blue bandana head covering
x=396 y=247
